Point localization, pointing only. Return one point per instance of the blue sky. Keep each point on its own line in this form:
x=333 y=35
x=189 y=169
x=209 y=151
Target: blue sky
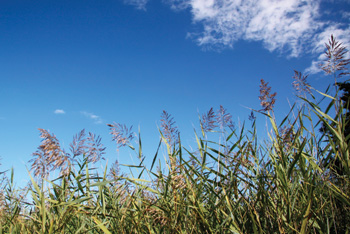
x=72 y=65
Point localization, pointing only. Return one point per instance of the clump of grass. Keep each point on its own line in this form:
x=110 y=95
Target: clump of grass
x=235 y=184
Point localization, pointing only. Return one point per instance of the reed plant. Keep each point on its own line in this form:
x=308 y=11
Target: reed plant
x=229 y=182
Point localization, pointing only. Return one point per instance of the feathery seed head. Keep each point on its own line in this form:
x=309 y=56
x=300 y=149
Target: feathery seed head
x=121 y=134
x=267 y=100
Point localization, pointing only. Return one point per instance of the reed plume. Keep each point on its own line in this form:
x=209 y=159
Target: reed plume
x=267 y=99
x=336 y=60
x=300 y=84
x=48 y=155
x=168 y=129
x=121 y=134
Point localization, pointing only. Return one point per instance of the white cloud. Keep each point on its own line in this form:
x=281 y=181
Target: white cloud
x=59 y=111
x=279 y=25
x=345 y=15
x=139 y=4
x=313 y=68
x=97 y=119
x=291 y=26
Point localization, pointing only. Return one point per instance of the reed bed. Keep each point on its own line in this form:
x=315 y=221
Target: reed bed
x=295 y=181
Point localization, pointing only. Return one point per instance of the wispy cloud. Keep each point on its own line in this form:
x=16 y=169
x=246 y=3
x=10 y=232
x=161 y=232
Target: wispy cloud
x=59 y=111
x=292 y=27
x=139 y=4
x=279 y=25
x=97 y=119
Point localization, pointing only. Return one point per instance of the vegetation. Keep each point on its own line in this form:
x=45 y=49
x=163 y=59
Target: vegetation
x=288 y=183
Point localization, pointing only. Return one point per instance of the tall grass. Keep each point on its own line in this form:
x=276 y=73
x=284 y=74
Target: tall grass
x=288 y=183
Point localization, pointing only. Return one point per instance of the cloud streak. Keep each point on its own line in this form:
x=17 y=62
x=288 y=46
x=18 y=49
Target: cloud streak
x=59 y=111
x=138 y=4
x=97 y=119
